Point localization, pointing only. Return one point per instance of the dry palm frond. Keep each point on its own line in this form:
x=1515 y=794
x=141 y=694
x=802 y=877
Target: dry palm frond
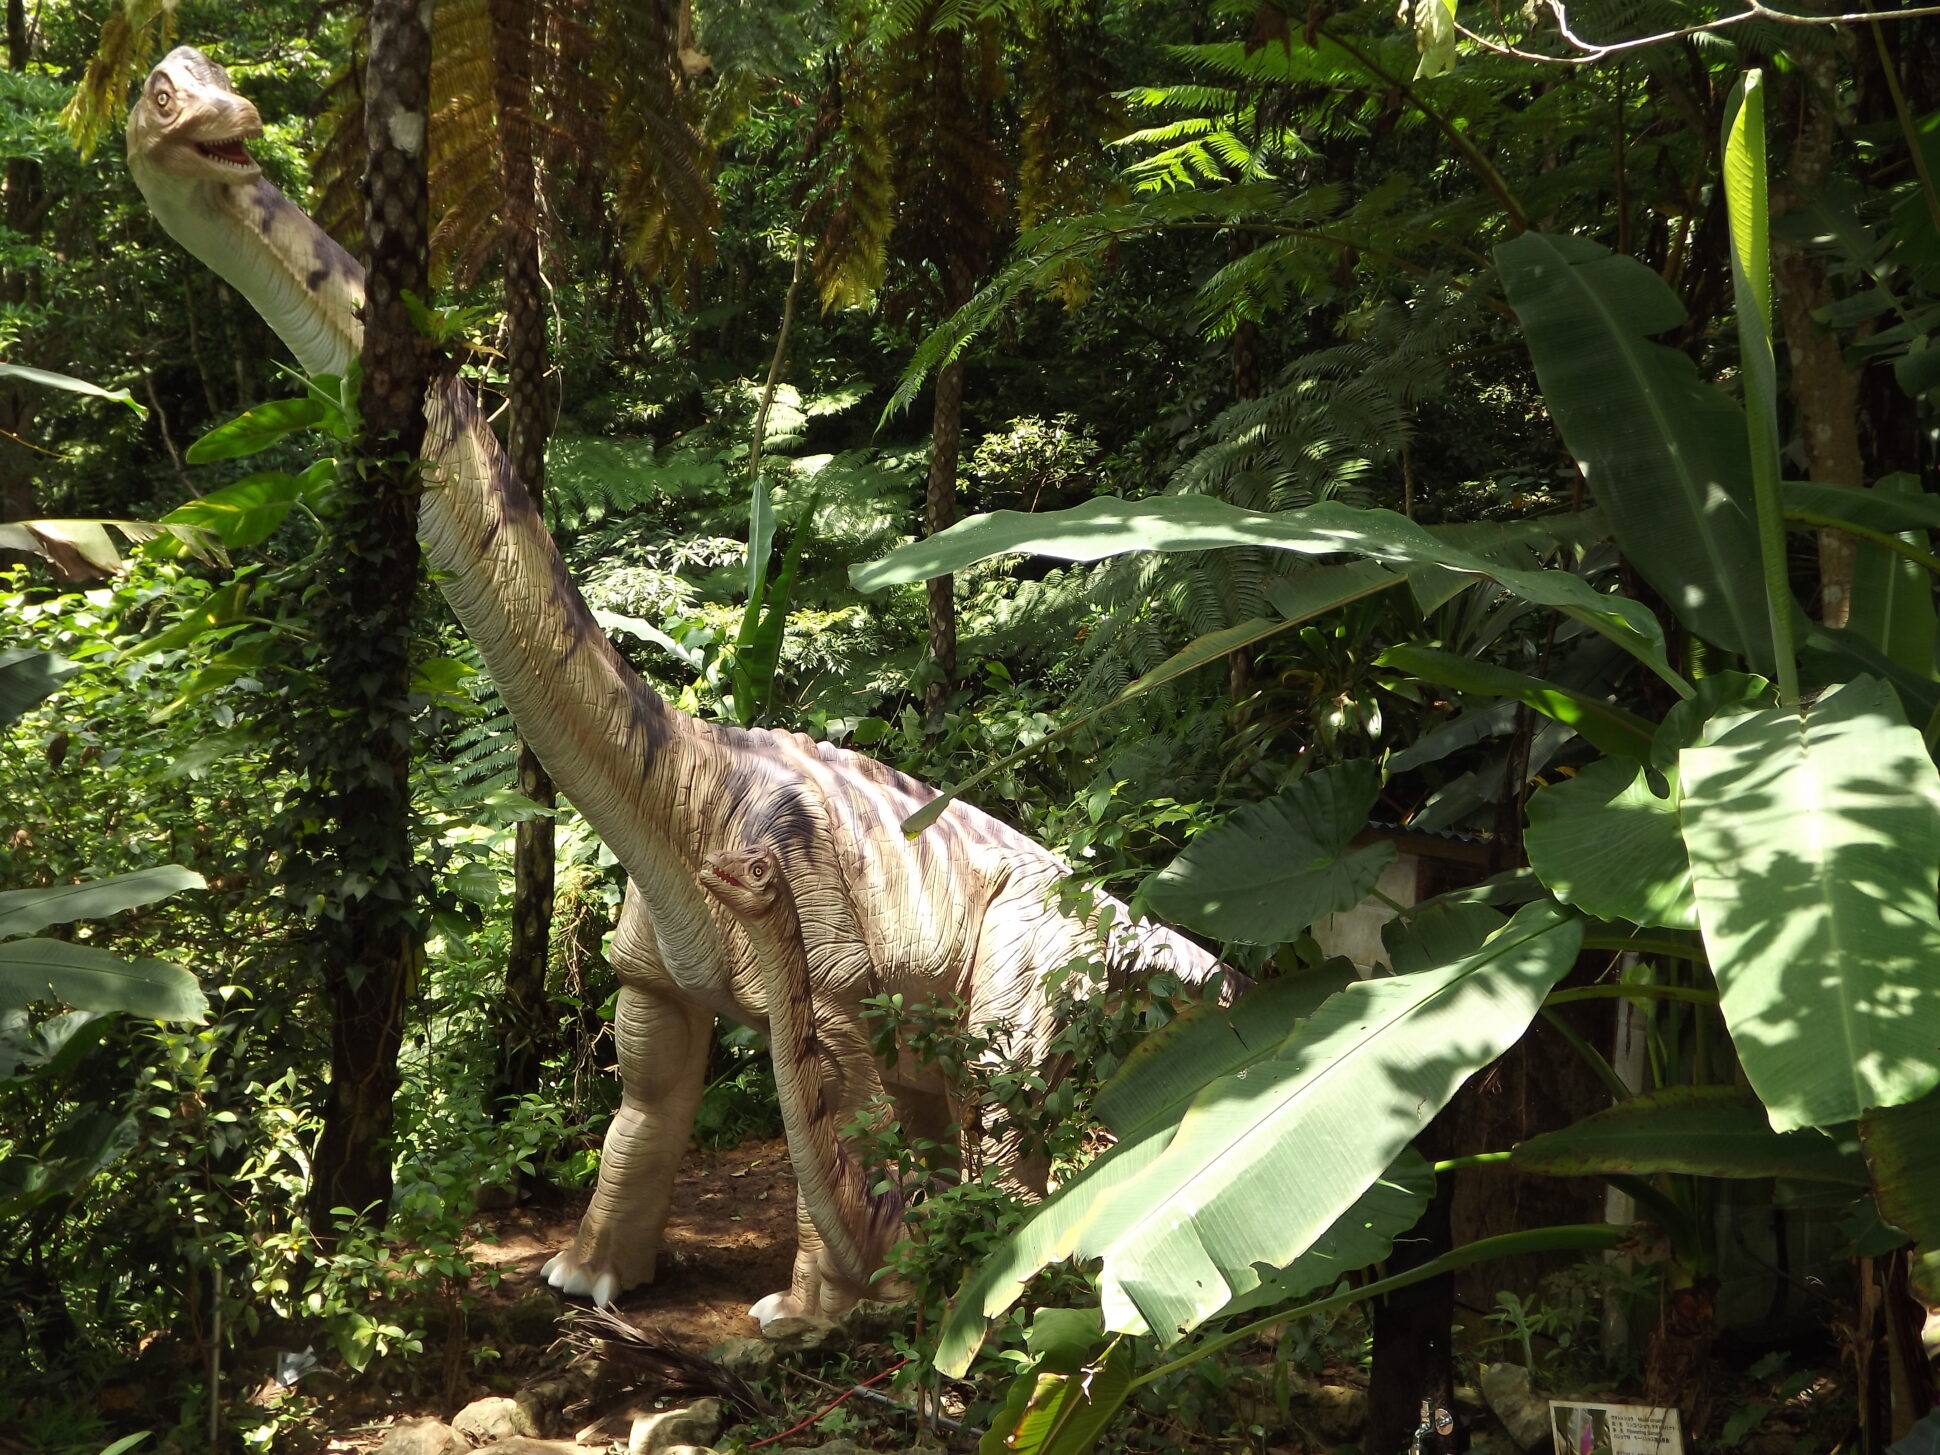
x=134 y=33
x=649 y=1363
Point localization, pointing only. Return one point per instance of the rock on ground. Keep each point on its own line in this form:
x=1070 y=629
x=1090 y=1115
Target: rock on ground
x=425 y=1437
x=745 y=1358
x=1511 y=1396
x=494 y=1418
x=693 y=1424
x=795 y=1336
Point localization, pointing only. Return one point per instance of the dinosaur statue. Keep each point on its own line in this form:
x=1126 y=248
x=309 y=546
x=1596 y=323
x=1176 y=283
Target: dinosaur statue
x=968 y=909
x=854 y=1225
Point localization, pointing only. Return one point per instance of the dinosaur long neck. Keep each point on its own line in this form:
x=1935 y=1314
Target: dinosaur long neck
x=595 y=724
x=828 y=1176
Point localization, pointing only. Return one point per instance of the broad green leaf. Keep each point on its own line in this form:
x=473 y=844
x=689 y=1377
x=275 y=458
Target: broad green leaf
x=225 y=606
x=1892 y=597
x=88 y=1142
x=245 y=513
x=1268 y=1158
x=257 y=430
x=1814 y=848
x=88 y=978
x=71 y=384
x=1662 y=451
x=1306 y=594
x=1109 y=526
x=1143 y=1104
x=25 y=911
x=1166 y=1069
x=1604 y=842
x=1270 y=869
x=1603 y=724
x=1438 y=933
x=1065 y=1414
x=1359 y=1238
x=27 y=677
x=1902 y=1145
x=1722 y=694
x=1702 y=1131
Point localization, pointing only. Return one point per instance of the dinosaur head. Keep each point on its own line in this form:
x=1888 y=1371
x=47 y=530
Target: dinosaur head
x=190 y=126
x=748 y=881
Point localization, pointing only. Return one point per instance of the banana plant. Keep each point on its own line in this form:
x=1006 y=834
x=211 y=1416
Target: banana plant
x=95 y=983
x=1776 y=834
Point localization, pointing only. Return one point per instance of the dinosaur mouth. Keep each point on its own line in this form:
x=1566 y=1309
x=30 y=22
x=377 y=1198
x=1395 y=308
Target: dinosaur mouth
x=721 y=876
x=231 y=151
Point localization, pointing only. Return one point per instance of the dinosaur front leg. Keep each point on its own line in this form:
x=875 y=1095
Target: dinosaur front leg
x=663 y=1039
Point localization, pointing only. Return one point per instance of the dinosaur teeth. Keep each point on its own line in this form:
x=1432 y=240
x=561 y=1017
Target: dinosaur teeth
x=231 y=151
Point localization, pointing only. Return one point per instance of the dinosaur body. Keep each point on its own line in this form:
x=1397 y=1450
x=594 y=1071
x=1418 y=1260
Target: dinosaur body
x=856 y=1225
x=969 y=908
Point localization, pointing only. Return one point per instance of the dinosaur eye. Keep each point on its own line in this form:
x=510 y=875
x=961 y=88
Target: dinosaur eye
x=758 y=871
x=164 y=98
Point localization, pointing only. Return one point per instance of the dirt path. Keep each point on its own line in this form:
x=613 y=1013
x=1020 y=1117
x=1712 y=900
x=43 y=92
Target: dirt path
x=729 y=1242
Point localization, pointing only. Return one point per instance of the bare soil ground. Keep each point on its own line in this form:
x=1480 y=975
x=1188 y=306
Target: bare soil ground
x=730 y=1241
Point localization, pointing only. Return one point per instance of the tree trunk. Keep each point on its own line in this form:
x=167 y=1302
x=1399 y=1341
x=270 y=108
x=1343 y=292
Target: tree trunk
x=21 y=208
x=1411 y=1384
x=1824 y=391
x=529 y=1034
x=367 y=938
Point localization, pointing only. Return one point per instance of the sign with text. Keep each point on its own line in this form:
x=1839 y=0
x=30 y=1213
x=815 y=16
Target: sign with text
x=1614 y=1429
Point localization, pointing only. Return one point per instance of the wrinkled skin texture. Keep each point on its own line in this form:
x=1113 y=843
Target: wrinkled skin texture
x=819 y=1095
x=968 y=909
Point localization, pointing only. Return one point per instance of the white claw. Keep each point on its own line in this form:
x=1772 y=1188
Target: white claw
x=576 y=1283
x=604 y=1287
x=550 y=1270
x=775 y=1306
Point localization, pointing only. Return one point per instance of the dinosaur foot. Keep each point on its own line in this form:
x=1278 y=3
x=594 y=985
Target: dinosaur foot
x=774 y=1308
x=576 y=1280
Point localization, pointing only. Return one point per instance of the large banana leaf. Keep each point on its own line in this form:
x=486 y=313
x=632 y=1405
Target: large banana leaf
x=1663 y=452
x=1605 y=843
x=1143 y=1105
x=1108 y=526
x=88 y=978
x=1266 y=1158
x=1273 y=868
x=1814 y=845
x=1605 y=725
x=1702 y=1131
x=26 y=677
x=25 y=911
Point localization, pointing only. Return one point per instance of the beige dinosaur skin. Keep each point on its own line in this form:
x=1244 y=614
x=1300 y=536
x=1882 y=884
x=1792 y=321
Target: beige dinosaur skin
x=967 y=909
x=855 y=1225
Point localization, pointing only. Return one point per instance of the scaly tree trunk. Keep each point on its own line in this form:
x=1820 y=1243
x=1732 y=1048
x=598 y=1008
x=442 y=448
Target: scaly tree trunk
x=1824 y=391
x=22 y=207
x=528 y=1029
x=359 y=777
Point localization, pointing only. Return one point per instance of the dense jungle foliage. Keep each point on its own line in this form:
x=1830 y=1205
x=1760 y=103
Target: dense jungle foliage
x=1467 y=470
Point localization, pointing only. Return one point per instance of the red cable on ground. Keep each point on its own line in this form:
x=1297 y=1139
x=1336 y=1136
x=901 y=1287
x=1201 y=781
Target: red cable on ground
x=831 y=1406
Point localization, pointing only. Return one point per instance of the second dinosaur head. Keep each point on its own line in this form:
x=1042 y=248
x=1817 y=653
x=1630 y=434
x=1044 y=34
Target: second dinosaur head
x=747 y=881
